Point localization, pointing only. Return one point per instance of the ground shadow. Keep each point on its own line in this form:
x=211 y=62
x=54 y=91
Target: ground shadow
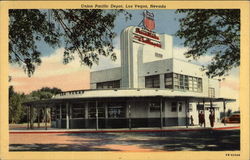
x=205 y=140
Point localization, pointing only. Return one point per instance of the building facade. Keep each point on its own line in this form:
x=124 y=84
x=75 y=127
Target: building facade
x=151 y=88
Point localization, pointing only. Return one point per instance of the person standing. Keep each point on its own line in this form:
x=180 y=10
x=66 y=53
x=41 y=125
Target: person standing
x=199 y=118
x=202 y=119
x=192 y=120
x=211 y=118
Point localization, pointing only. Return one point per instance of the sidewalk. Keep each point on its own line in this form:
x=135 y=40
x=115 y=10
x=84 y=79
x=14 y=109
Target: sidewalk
x=218 y=126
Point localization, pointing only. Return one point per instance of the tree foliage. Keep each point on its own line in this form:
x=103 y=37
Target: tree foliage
x=44 y=93
x=215 y=32
x=86 y=33
x=16 y=111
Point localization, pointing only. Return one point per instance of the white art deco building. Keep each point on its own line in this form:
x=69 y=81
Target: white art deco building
x=150 y=89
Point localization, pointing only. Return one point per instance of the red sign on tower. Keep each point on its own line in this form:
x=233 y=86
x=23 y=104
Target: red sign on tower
x=148 y=21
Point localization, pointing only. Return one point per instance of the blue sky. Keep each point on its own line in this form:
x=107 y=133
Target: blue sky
x=166 y=22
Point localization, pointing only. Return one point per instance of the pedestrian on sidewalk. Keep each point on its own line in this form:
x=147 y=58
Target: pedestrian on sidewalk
x=199 y=117
x=211 y=118
x=192 y=120
x=202 y=119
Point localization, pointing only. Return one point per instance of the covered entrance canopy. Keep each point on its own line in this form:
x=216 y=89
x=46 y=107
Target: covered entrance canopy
x=98 y=96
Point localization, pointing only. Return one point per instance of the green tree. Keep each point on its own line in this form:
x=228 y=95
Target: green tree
x=16 y=110
x=82 y=32
x=53 y=90
x=42 y=94
x=215 y=32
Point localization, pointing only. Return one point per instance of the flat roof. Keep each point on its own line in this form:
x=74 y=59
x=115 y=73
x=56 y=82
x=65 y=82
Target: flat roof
x=107 y=94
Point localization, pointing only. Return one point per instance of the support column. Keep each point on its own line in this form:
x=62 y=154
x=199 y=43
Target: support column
x=67 y=115
x=186 y=110
x=204 y=113
x=224 y=109
x=96 y=112
x=129 y=116
x=161 y=112
x=106 y=114
x=86 y=115
x=60 y=112
x=59 y=120
x=46 y=117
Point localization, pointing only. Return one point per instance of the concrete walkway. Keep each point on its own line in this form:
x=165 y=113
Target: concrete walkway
x=218 y=126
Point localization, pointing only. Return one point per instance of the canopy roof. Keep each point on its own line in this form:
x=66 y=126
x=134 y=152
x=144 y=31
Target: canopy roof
x=122 y=94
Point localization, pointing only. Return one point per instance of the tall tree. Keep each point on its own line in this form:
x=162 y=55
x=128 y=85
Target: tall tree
x=215 y=32
x=86 y=33
x=16 y=110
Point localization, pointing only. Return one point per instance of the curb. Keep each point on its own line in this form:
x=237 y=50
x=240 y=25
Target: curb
x=117 y=131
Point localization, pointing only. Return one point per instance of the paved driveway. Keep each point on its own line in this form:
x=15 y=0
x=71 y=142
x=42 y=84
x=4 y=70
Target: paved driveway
x=206 y=140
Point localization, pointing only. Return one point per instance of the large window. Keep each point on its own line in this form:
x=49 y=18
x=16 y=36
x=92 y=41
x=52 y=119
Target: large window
x=183 y=82
x=169 y=80
x=211 y=92
x=63 y=106
x=92 y=110
x=78 y=110
x=154 y=107
x=152 y=81
x=108 y=84
x=116 y=110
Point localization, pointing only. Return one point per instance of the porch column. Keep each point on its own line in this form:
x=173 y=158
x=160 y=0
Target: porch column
x=224 y=109
x=60 y=112
x=46 y=117
x=204 y=113
x=161 y=112
x=96 y=114
x=129 y=116
x=67 y=115
x=86 y=115
x=187 y=110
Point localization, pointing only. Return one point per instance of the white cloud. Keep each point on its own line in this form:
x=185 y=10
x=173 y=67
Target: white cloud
x=178 y=53
x=51 y=66
x=106 y=62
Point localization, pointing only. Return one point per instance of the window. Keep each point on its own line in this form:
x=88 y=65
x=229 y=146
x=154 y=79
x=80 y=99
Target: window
x=53 y=113
x=92 y=110
x=174 y=107
x=108 y=85
x=199 y=85
x=58 y=112
x=78 y=110
x=211 y=92
x=183 y=82
x=176 y=81
x=195 y=83
x=63 y=110
x=186 y=86
x=154 y=107
x=190 y=83
x=152 y=81
x=169 y=80
x=116 y=110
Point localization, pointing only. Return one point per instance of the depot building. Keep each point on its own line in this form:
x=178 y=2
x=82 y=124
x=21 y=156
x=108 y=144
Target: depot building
x=151 y=88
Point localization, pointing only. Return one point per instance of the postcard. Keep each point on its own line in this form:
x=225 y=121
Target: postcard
x=124 y=80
